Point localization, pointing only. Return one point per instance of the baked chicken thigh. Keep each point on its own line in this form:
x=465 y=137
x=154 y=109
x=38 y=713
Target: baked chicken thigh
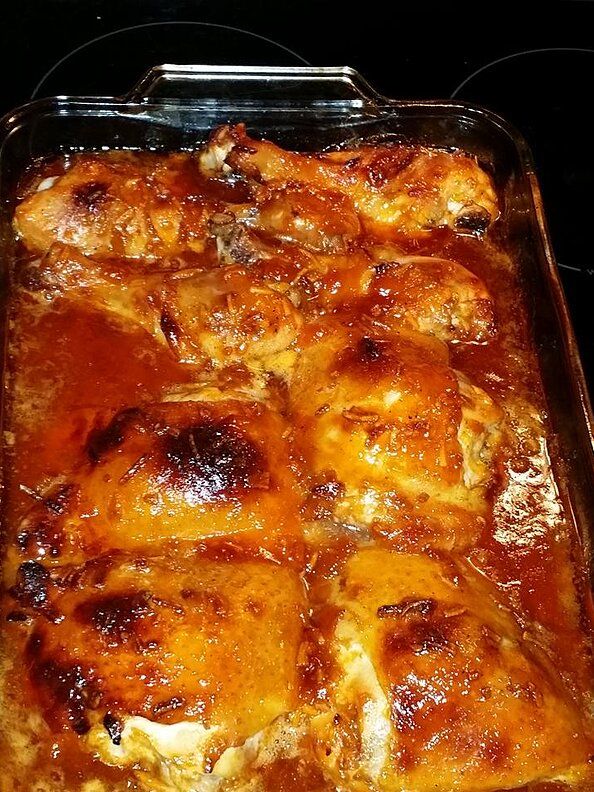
x=171 y=473
x=393 y=437
x=432 y=671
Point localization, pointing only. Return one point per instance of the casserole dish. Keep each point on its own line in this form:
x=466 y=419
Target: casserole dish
x=174 y=108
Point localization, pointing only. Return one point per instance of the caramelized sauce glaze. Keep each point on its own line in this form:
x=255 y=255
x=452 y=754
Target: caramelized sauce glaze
x=78 y=378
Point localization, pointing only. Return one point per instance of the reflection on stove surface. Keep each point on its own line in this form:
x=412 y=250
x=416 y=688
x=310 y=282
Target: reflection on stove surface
x=109 y=65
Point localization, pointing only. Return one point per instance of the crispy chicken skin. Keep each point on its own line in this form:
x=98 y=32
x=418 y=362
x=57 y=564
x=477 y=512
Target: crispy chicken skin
x=433 y=672
x=392 y=187
x=165 y=639
x=170 y=473
x=402 y=441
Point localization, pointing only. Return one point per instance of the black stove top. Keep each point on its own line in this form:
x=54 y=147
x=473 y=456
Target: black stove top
x=533 y=66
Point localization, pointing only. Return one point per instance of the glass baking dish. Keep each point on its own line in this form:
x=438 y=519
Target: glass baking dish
x=174 y=107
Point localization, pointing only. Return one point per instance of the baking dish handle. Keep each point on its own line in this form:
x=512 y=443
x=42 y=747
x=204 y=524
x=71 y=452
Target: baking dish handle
x=276 y=85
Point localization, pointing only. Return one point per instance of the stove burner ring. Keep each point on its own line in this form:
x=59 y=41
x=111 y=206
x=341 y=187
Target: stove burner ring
x=511 y=56
x=214 y=25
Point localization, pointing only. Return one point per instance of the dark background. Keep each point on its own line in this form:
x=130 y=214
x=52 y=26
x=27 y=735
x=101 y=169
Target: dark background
x=532 y=64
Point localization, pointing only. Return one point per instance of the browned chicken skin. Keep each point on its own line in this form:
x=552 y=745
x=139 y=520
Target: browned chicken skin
x=396 y=291
x=172 y=473
x=402 y=440
x=122 y=205
x=131 y=635
x=151 y=208
x=454 y=682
